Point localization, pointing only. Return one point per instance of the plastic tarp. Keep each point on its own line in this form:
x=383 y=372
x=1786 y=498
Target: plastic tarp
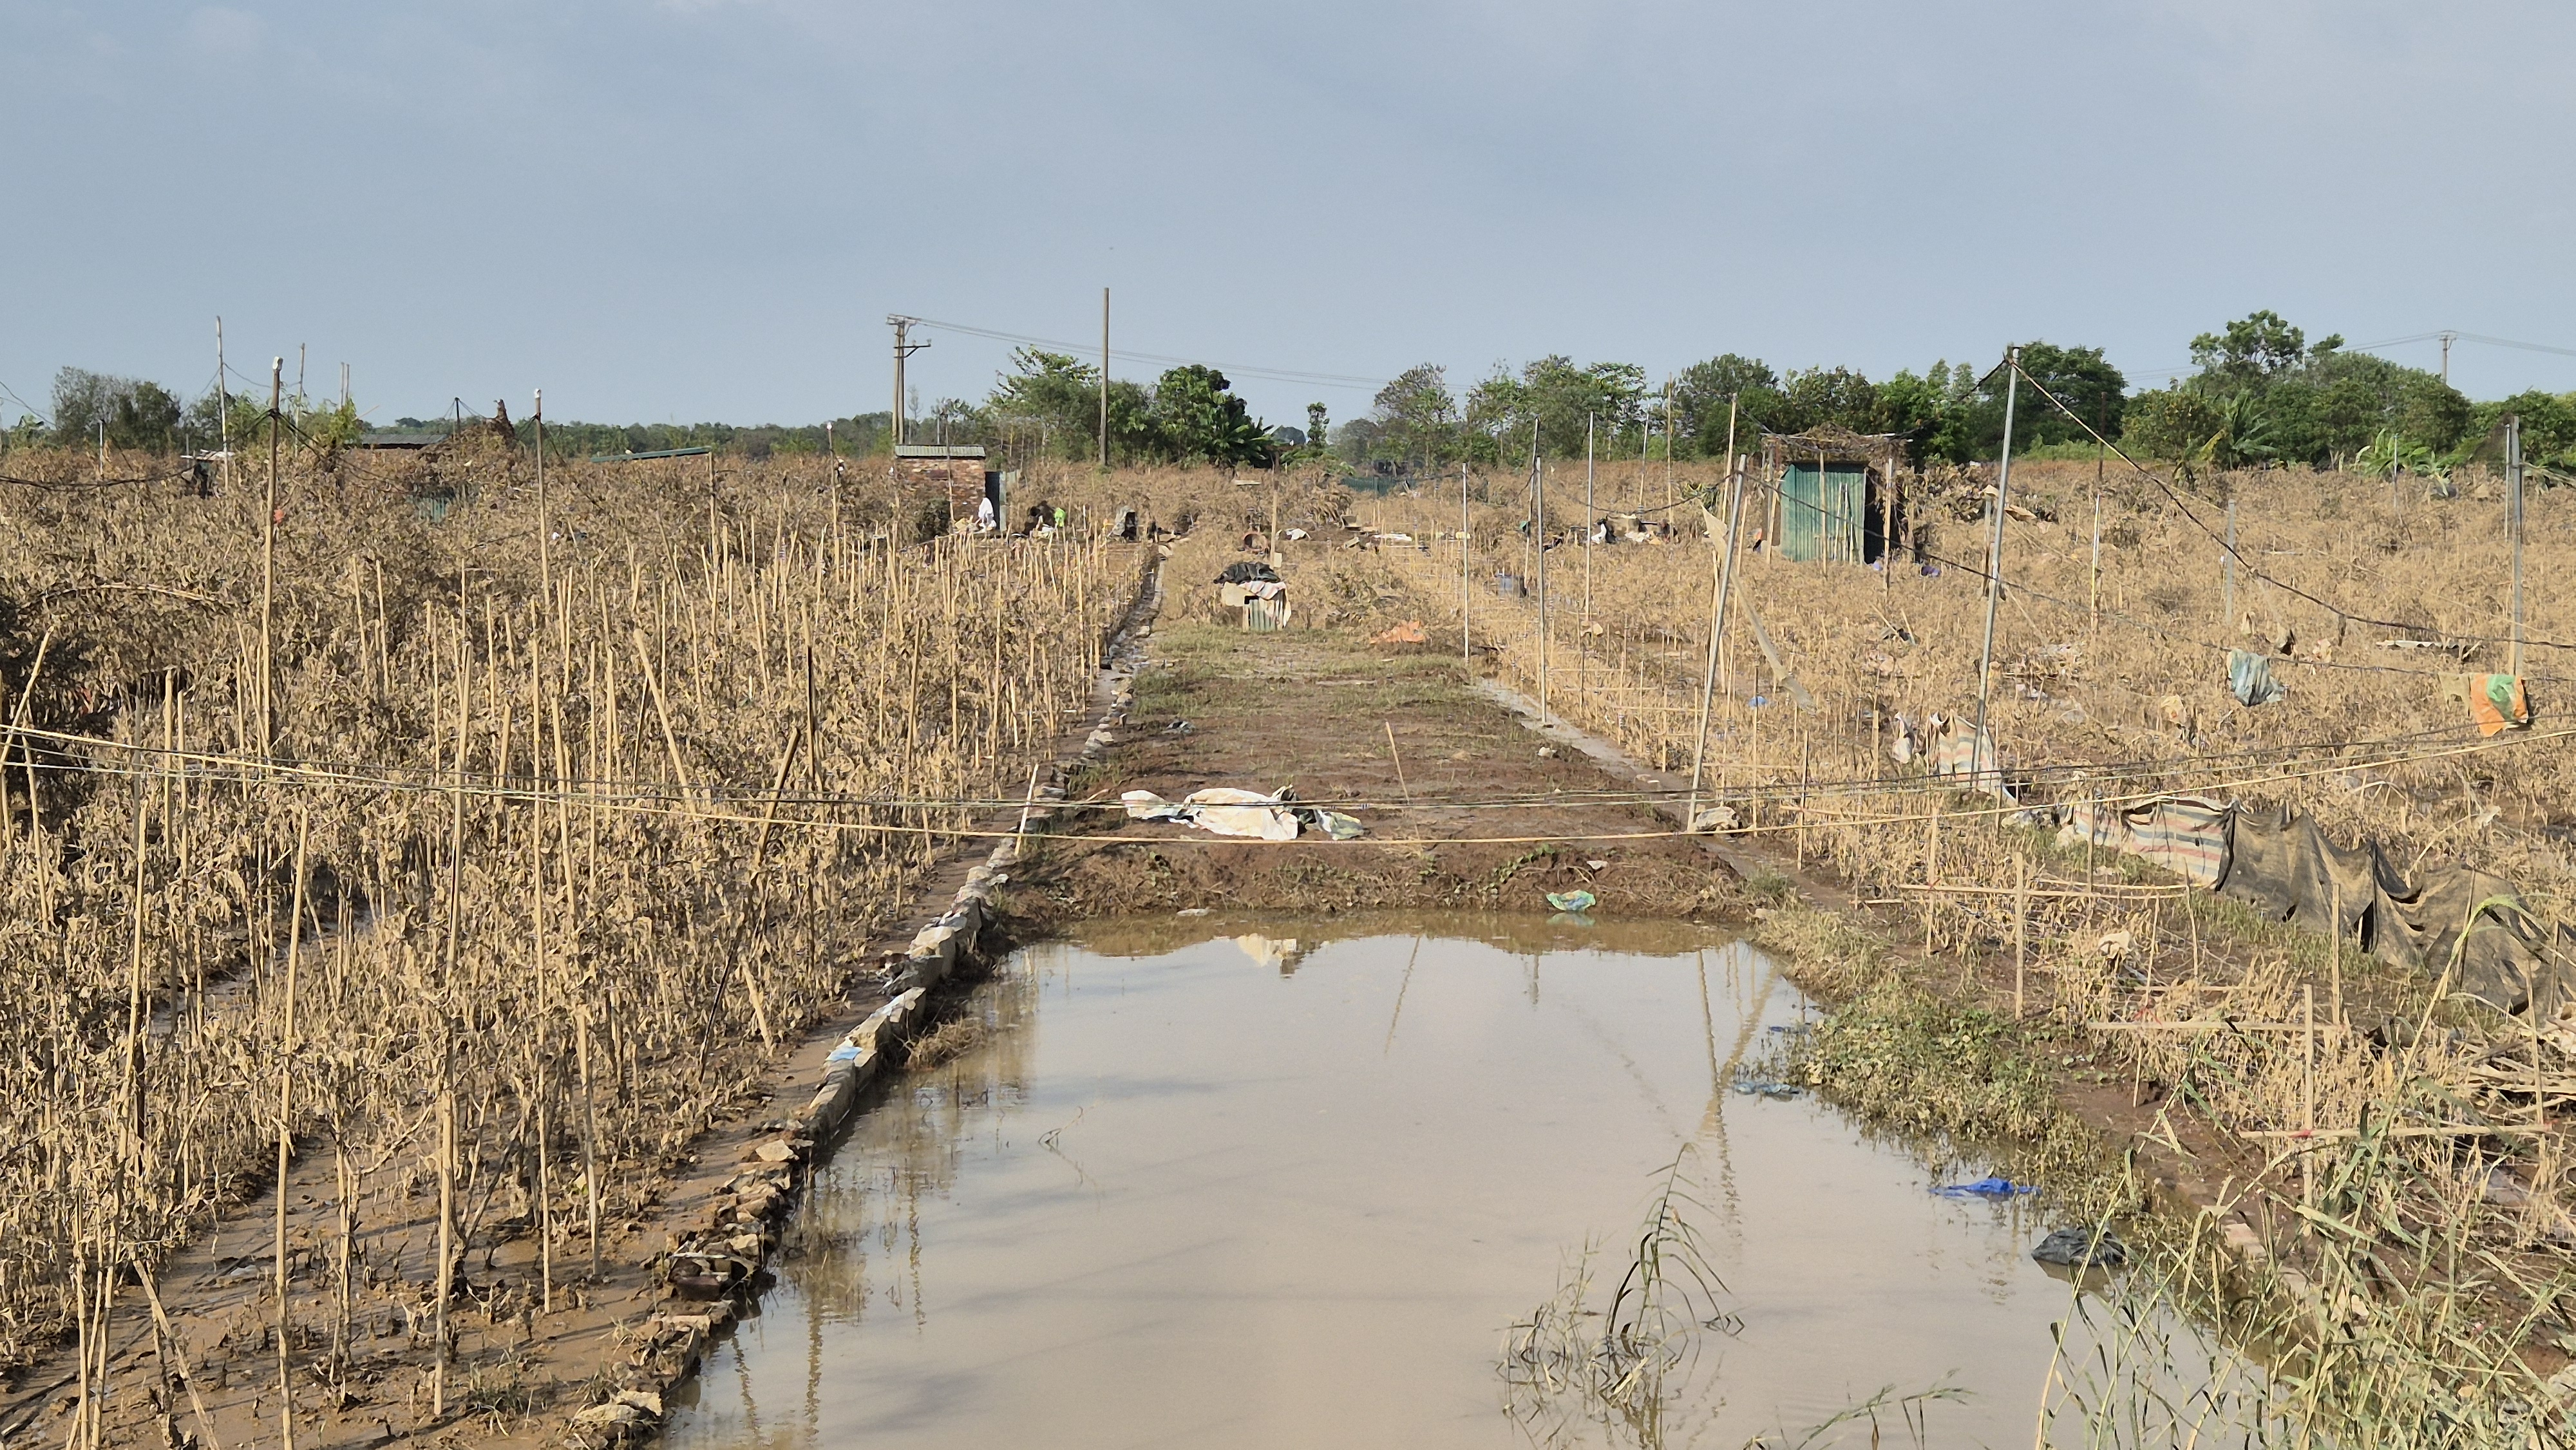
x=2280 y=864
x=2184 y=834
x=1229 y=811
x=1958 y=748
x=2249 y=678
x=2496 y=702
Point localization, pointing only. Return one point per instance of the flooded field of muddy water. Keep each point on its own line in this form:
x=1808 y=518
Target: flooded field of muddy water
x=1249 y=1191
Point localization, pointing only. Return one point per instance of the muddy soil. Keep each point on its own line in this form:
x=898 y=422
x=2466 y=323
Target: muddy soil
x=1464 y=805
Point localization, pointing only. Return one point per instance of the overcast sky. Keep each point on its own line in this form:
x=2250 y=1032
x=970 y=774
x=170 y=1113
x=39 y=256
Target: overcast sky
x=704 y=209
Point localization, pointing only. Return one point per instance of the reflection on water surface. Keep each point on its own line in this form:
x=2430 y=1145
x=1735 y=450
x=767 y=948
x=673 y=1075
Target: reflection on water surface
x=1264 y=1189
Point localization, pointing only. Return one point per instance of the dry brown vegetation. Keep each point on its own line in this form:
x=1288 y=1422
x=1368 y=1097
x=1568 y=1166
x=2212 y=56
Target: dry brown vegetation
x=2428 y=1171
x=548 y=826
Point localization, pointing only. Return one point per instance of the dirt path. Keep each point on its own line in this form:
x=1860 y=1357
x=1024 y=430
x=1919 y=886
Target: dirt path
x=1465 y=806
x=1314 y=710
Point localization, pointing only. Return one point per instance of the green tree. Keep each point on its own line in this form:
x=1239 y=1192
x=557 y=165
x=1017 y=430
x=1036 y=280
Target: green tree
x=1203 y=420
x=2253 y=351
x=2171 y=424
x=1319 y=428
x=1136 y=433
x=2548 y=425
x=1057 y=394
x=1417 y=418
x=1936 y=413
x=1562 y=399
x=2081 y=378
x=2244 y=436
x=1702 y=391
x=134 y=412
x=1827 y=397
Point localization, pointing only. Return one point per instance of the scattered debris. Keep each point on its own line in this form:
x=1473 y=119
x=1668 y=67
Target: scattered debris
x=1985 y=1188
x=1230 y=811
x=2496 y=702
x=2082 y=1248
x=1778 y=1092
x=2249 y=678
x=1576 y=900
x=1409 y=632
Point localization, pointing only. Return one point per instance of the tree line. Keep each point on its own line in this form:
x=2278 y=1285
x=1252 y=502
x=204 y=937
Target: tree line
x=2261 y=394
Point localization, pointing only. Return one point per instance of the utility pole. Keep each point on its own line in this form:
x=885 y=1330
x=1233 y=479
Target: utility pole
x=2446 y=357
x=1587 y=517
x=2513 y=525
x=903 y=348
x=1104 y=377
x=1995 y=575
x=1466 y=528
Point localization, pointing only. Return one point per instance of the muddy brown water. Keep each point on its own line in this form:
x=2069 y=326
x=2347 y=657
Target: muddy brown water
x=1251 y=1190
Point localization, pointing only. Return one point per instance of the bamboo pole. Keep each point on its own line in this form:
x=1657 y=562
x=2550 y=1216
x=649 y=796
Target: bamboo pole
x=268 y=571
x=2021 y=930
x=286 y=1131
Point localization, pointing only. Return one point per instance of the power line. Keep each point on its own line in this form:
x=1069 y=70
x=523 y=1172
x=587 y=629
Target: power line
x=2338 y=611
x=1077 y=349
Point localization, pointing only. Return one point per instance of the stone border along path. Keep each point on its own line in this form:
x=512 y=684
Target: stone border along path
x=724 y=1259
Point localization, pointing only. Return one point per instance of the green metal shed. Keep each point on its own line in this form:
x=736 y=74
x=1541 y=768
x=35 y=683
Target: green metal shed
x=1832 y=494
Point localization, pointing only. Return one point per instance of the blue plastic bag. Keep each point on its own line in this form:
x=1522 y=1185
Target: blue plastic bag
x=1986 y=1188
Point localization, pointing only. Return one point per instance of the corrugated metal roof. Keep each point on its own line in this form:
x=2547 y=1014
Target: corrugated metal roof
x=939 y=450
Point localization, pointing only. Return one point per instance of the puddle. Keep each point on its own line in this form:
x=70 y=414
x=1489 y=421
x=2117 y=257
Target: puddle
x=1260 y=1192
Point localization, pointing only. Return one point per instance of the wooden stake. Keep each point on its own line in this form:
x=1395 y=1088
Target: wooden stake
x=1399 y=762
x=2021 y=930
x=268 y=571
x=286 y=1130
x=2308 y=1094
x=2334 y=956
x=179 y=1352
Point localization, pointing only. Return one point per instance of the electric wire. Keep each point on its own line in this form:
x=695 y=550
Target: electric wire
x=2184 y=507
x=1282 y=375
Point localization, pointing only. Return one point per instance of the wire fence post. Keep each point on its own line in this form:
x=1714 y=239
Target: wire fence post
x=1995 y=575
x=1466 y=527
x=2021 y=929
x=1716 y=630
x=2513 y=525
x=2227 y=594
